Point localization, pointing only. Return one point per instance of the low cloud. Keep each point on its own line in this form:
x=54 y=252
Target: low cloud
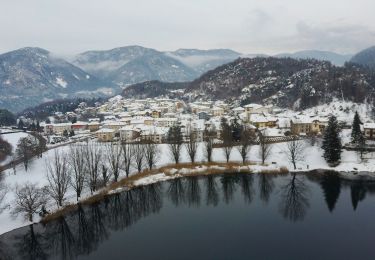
x=336 y=36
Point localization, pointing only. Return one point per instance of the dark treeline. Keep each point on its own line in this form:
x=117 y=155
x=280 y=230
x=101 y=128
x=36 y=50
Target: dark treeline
x=44 y=110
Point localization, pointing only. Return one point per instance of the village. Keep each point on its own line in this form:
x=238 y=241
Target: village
x=130 y=120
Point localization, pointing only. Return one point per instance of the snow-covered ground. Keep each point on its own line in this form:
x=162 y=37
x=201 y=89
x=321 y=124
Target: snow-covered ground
x=343 y=110
x=278 y=158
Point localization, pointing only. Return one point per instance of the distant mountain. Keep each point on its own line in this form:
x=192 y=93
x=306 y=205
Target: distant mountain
x=204 y=60
x=285 y=82
x=365 y=58
x=29 y=76
x=103 y=63
x=334 y=58
x=133 y=64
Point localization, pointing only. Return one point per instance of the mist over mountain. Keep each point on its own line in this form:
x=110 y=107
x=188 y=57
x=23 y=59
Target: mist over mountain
x=29 y=76
x=134 y=64
x=365 y=58
x=204 y=60
x=334 y=58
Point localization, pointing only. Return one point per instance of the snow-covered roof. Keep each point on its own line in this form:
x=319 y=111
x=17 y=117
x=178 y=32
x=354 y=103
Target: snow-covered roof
x=238 y=109
x=302 y=120
x=80 y=123
x=255 y=118
x=129 y=128
x=105 y=130
x=253 y=106
x=217 y=109
x=114 y=123
x=272 y=132
x=369 y=125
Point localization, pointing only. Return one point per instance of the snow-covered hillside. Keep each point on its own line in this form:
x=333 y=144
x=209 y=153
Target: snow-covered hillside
x=343 y=110
x=30 y=76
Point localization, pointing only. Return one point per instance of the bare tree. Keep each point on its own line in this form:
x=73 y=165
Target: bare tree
x=294 y=199
x=58 y=176
x=25 y=150
x=175 y=142
x=247 y=138
x=93 y=156
x=139 y=156
x=3 y=193
x=192 y=144
x=105 y=176
x=151 y=152
x=127 y=157
x=29 y=200
x=227 y=138
x=264 y=146
x=114 y=153
x=39 y=144
x=78 y=167
x=209 y=144
x=294 y=151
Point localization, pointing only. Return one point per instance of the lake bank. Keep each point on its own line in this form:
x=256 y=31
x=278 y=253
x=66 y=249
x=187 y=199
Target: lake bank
x=181 y=170
x=166 y=173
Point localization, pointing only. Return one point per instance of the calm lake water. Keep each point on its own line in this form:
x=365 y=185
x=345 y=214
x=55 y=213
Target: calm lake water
x=221 y=217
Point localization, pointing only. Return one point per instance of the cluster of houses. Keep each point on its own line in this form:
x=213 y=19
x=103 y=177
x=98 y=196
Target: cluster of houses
x=150 y=119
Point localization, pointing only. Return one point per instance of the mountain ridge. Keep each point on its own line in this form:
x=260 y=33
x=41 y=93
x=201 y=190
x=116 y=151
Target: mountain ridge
x=285 y=82
x=365 y=57
x=30 y=75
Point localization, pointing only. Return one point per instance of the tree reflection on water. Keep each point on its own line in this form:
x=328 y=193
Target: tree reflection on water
x=294 y=199
x=81 y=232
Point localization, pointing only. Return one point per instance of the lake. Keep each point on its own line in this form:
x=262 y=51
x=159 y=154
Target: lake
x=247 y=216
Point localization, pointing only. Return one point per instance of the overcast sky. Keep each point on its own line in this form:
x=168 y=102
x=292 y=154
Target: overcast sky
x=248 y=26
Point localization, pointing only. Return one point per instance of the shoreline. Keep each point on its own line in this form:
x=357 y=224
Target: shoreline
x=165 y=173
x=173 y=171
x=181 y=170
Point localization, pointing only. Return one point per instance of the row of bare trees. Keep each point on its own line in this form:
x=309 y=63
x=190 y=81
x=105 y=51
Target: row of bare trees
x=84 y=166
x=247 y=138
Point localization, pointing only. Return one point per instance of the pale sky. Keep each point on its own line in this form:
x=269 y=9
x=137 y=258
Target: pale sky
x=248 y=26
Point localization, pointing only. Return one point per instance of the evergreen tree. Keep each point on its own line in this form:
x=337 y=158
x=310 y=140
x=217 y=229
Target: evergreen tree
x=357 y=192
x=357 y=135
x=38 y=126
x=236 y=129
x=332 y=142
x=21 y=125
x=32 y=126
x=331 y=186
x=175 y=141
x=7 y=118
